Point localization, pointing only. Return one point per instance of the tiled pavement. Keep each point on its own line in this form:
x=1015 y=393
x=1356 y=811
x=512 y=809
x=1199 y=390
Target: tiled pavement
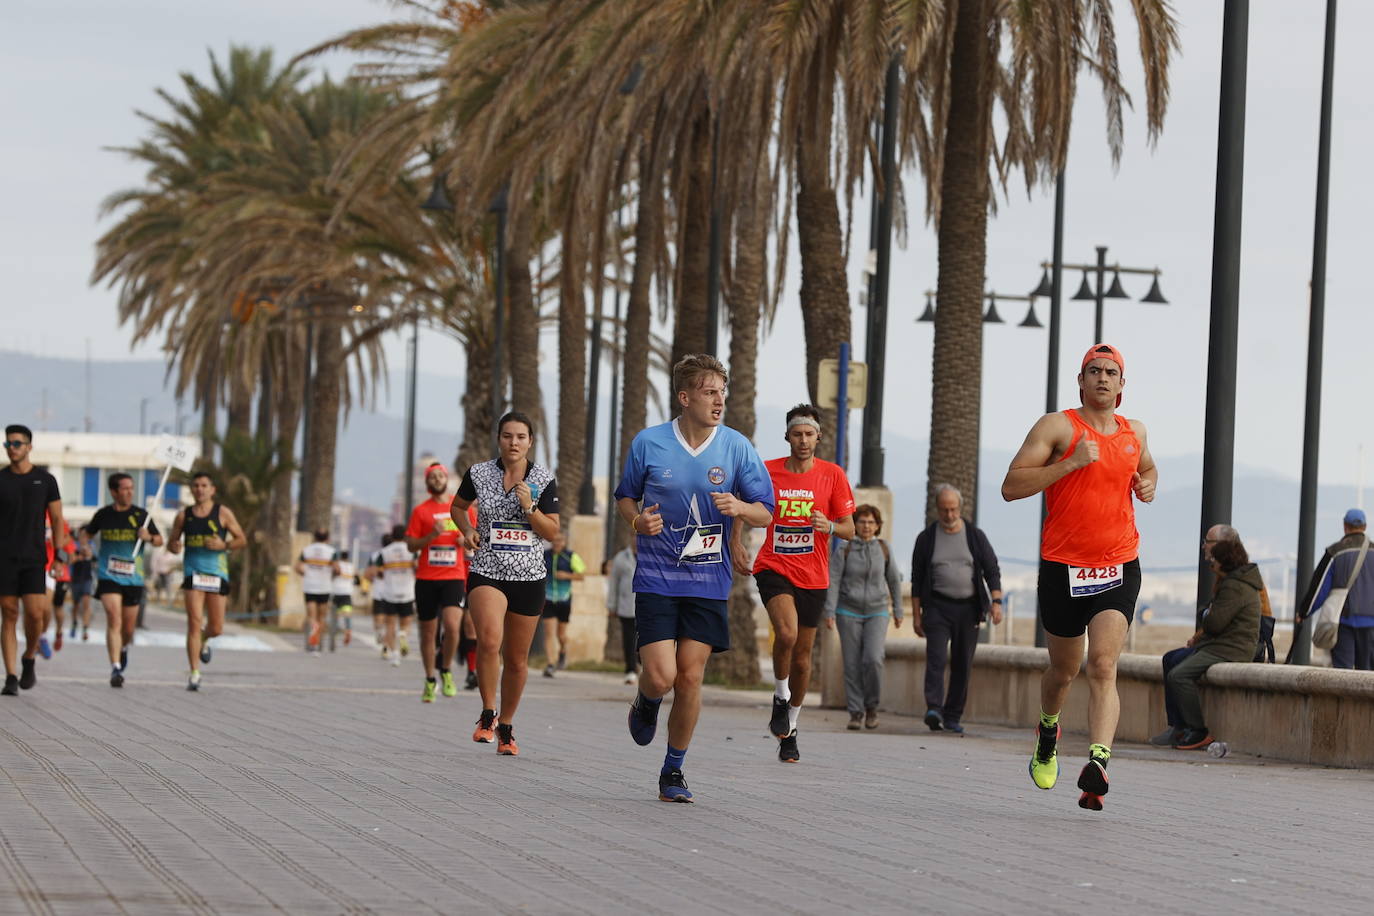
x=298 y=785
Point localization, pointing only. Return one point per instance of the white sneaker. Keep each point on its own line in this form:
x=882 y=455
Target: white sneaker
x=193 y=682
x=631 y=677
x=396 y=661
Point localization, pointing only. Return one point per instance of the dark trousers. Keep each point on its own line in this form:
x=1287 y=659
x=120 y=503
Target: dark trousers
x=627 y=643
x=951 y=639
x=1171 y=660
x=1354 y=648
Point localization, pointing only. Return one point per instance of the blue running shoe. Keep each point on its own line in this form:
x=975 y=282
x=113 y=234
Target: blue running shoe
x=673 y=788
x=643 y=721
x=44 y=648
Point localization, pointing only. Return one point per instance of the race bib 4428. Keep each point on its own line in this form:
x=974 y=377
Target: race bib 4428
x=1089 y=580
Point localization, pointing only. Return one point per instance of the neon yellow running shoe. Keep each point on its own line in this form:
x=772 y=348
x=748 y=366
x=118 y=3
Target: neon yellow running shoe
x=450 y=688
x=1044 y=763
x=428 y=695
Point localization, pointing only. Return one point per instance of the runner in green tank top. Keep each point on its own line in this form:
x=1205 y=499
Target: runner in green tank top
x=210 y=531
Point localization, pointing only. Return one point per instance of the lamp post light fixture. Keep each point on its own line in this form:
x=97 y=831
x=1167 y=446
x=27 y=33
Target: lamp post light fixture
x=1099 y=293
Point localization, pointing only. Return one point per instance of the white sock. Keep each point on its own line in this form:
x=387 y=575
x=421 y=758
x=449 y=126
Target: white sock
x=781 y=690
x=792 y=713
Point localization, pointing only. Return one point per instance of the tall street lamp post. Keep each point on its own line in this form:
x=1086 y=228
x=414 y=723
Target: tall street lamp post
x=1312 y=420
x=1100 y=293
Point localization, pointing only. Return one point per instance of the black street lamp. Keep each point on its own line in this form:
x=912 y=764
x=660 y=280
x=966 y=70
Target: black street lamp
x=1301 y=653
x=1099 y=293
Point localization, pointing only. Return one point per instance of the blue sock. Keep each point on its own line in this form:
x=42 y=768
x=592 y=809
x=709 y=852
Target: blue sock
x=673 y=759
x=645 y=701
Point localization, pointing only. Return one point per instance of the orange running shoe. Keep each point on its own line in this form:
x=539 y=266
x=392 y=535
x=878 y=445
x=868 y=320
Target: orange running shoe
x=485 y=732
x=505 y=741
x=314 y=634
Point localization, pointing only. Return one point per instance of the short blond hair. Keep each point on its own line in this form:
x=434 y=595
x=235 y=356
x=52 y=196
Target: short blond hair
x=691 y=371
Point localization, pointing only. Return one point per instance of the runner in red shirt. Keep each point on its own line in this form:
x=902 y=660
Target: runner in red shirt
x=59 y=574
x=814 y=501
x=440 y=579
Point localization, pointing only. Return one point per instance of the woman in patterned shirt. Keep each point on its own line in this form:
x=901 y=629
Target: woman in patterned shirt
x=517 y=514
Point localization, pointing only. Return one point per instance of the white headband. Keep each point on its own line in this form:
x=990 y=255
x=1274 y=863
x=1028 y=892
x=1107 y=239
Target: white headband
x=803 y=420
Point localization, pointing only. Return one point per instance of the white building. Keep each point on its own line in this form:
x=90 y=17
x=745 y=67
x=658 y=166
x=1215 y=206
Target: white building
x=83 y=462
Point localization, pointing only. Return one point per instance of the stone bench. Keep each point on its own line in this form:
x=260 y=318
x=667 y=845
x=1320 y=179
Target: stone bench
x=1288 y=712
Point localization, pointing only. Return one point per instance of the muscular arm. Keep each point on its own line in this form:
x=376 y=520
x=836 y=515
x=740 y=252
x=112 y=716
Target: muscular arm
x=1149 y=473
x=59 y=530
x=239 y=540
x=174 y=540
x=1031 y=469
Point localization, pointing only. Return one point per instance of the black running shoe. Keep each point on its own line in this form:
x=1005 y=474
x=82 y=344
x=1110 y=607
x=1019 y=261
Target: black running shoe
x=27 y=676
x=11 y=688
x=116 y=678
x=778 y=724
x=934 y=721
x=1093 y=782
x=205 y=653
x=672 y=787
x=787 y=748
x=123 y=659
x=643 y=720
x=471 y=682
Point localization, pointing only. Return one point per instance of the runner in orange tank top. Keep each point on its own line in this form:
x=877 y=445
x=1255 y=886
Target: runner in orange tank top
x=1089 y=463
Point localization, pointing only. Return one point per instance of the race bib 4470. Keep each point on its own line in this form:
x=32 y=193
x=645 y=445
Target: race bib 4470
x=1088 y=580
x=793 y=540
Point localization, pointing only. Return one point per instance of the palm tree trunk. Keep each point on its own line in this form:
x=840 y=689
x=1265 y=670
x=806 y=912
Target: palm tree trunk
x=572 y=360
x=694 y=252
x=522 y=328
x=240 y=419
x=957 y=367
x=635 y=385
x=741 y=664
x=265 y=402
x=478 y=422
x=824 y=289
x=278 y=519
x=208 y=388
x=321 y=452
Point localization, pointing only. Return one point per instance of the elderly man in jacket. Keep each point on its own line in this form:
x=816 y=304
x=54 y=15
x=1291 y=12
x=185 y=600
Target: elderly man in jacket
x=956 y=584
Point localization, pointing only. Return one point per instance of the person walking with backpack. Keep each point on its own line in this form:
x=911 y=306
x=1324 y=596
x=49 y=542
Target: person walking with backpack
x=956 y=584
x=865 y=593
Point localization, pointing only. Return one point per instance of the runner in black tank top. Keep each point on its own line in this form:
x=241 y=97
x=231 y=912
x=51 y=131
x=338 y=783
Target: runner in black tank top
x=210 y=531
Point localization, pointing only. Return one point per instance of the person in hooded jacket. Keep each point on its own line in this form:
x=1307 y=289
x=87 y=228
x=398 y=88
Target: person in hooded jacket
x=1230 y=628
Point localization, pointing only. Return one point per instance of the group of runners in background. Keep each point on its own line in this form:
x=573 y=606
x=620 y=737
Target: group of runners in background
x=473 y=566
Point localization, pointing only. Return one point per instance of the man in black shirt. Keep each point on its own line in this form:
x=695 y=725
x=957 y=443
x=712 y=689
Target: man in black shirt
x=28 y=498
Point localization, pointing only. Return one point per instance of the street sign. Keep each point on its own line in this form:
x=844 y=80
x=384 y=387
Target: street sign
x=828 y=384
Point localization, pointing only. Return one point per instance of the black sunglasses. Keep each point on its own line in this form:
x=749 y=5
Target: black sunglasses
x=15 y=443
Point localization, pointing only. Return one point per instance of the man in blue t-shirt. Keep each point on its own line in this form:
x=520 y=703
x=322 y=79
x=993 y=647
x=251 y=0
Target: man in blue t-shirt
x=693 y=477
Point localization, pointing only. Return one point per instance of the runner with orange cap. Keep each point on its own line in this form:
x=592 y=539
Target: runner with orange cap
x=1088 y=462
x=440 y=580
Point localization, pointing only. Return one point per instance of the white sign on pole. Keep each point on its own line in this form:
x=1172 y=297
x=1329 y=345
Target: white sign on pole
x=179 y=453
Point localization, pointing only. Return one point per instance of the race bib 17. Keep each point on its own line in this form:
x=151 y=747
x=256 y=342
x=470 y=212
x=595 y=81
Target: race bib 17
x=705 y=545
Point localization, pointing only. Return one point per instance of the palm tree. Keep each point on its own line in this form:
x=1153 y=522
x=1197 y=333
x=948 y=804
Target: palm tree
x=1036 y=89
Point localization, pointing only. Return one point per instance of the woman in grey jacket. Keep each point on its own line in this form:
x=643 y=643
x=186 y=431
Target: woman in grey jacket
x=865 y=593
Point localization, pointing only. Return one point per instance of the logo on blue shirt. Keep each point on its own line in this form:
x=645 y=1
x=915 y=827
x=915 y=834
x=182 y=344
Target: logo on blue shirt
x=716 y=475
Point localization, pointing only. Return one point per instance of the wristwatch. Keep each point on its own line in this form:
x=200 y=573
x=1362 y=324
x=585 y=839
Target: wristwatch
x=996 y=600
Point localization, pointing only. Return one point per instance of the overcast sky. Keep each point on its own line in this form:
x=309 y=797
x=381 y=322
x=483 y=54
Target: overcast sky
x=71 y=75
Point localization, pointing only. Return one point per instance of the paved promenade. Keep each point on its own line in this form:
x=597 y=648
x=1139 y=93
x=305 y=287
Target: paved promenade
x=299 y=785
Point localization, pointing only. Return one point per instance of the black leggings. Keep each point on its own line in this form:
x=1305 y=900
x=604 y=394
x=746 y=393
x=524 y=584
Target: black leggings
x=627 y=642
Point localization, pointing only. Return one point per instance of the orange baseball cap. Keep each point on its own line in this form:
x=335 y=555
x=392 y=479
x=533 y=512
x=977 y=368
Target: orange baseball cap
x=1103 y=351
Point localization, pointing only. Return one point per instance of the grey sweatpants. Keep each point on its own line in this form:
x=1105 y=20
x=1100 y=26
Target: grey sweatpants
x=863 y=643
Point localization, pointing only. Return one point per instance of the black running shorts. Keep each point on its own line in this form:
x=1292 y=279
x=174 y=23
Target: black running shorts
x=130 y=595
x=810 y=602
x=1068 y=617
x=432 y=595
x=21 y=579
x=525 y=598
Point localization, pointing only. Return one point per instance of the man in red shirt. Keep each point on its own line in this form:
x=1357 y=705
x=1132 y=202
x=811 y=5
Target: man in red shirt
x=814 y=501
x=440 y=578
